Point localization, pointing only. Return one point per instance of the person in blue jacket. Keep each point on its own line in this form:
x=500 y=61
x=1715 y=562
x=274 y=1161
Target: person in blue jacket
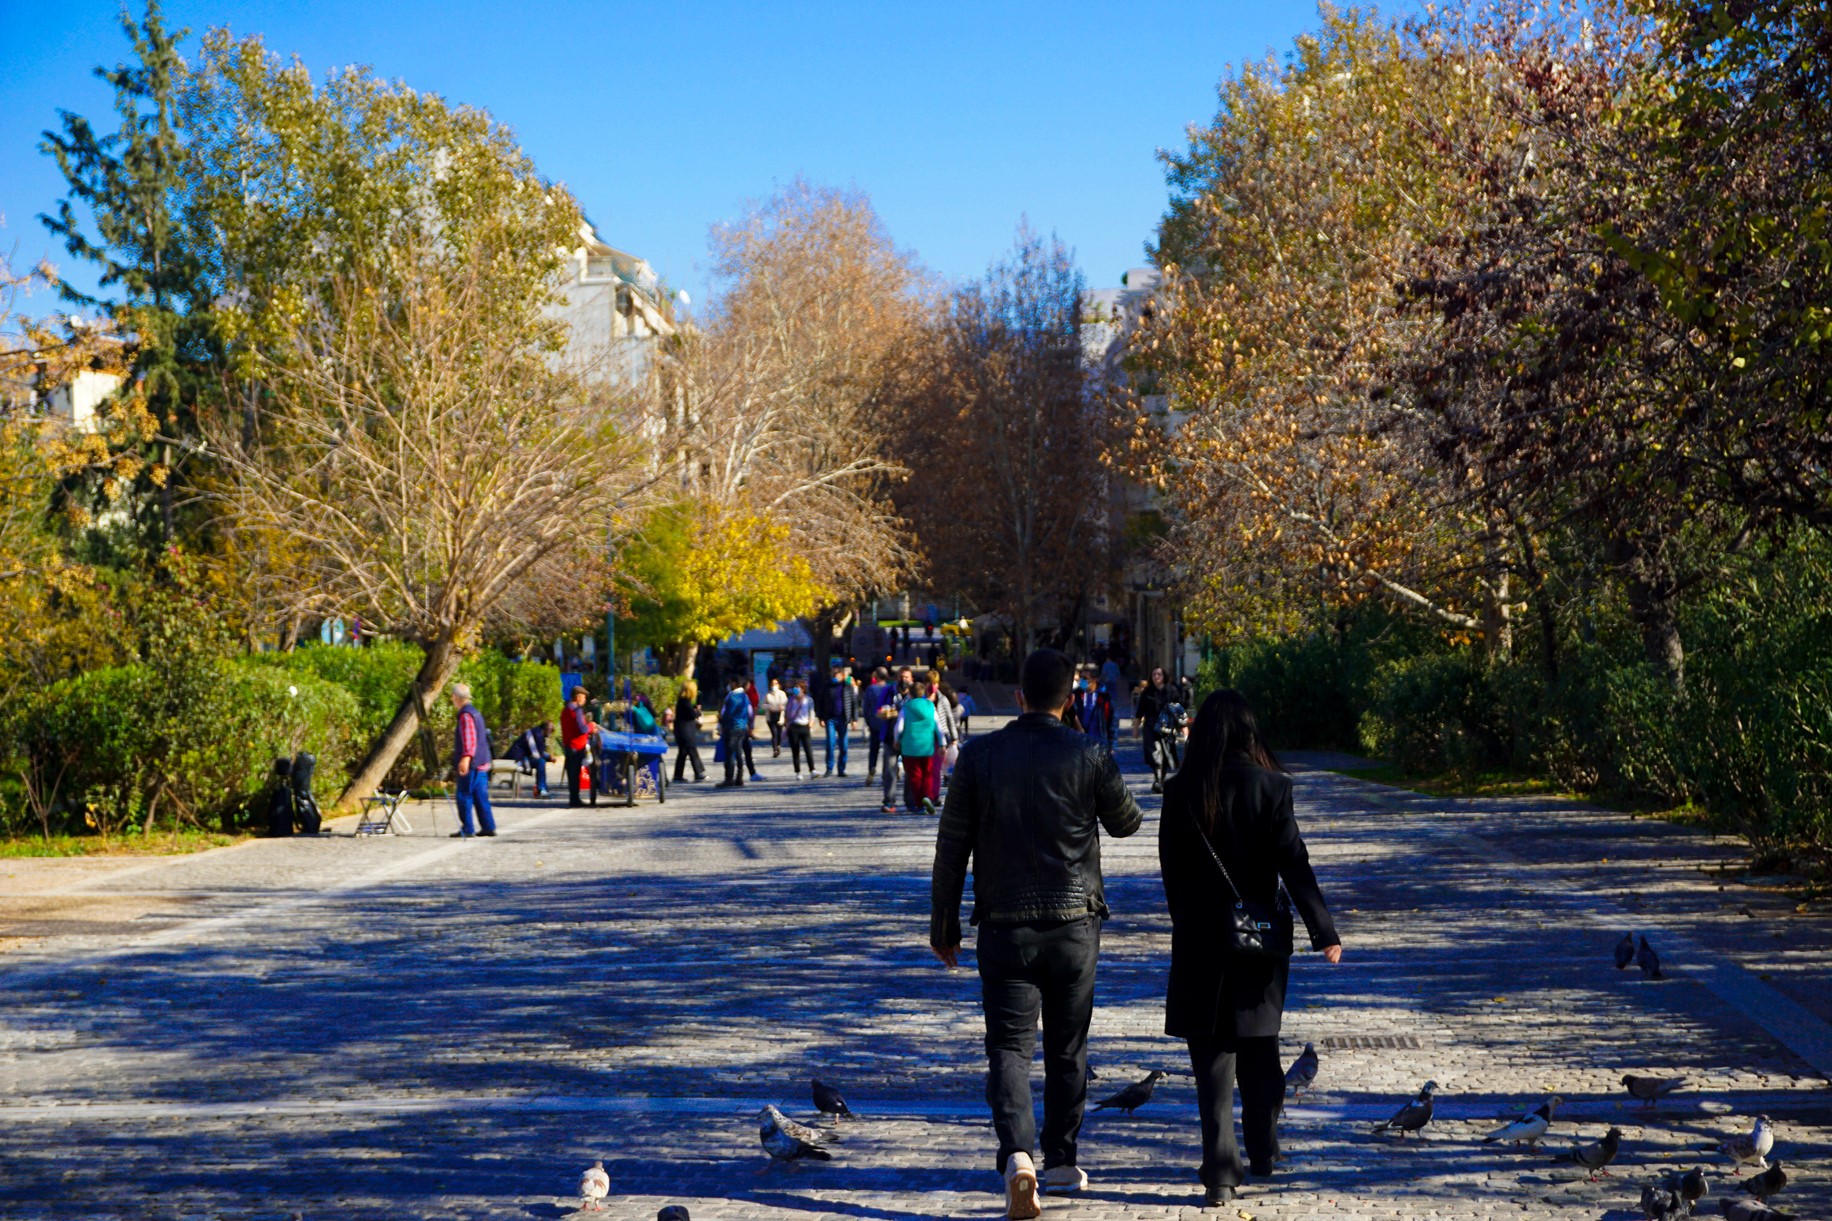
x=734 y=729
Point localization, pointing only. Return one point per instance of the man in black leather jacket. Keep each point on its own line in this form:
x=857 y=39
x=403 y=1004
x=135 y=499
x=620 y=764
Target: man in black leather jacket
x=1026 y=806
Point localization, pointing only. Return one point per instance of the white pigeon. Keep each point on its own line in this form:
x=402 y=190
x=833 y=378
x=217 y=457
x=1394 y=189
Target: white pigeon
x=1750 y=1150
x=1529 y=1128
x=594 y=1185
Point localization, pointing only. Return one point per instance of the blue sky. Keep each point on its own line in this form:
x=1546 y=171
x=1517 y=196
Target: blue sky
x=664 y=118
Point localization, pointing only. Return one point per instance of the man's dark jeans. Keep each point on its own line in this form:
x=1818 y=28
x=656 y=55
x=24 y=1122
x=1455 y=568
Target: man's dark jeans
x=1027 y=970
x=734 y=755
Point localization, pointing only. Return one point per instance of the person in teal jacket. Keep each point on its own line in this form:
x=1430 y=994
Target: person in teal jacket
x=918 y=740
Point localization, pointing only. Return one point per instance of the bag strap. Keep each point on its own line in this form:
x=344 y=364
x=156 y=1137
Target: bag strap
x=1238 y=902
x=1283 y=894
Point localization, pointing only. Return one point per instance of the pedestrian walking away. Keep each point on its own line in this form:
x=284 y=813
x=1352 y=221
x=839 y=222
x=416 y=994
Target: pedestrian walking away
x=687 y=733
x=877 y=726
x=1150 y=702
x=919 y=744
x=775 y=700
x=471 y=760
x=888 y=712
x=1026 y=809
x=799 y=713
x=577 y=730
x=734 y=732
x=1227 y=838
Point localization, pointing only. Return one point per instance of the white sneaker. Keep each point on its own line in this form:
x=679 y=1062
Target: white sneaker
x=1064 y=1178
x=1021 y=1188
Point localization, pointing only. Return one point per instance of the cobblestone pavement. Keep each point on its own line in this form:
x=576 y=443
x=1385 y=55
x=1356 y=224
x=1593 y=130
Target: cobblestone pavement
x=416 y=1027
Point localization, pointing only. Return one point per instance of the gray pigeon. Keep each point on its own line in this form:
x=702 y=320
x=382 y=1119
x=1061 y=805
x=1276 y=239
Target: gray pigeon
x=1648 y=960
x=1302 y=1072
x=1766 y=1184
x=1660 y=1204
x=827 y=1100
x=1747 y=1210
x=1751 y=1148
x=674 y=1212
x=1597 y=1156
x=1529 y=1128
x=1689 y=1185
x=1135 y=1095
x=1651 y=1089
x=1414 y=1115
x=787 y=1141
x=1625 y=951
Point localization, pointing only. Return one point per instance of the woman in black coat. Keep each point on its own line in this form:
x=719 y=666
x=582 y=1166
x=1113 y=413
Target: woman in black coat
x=1231 y=795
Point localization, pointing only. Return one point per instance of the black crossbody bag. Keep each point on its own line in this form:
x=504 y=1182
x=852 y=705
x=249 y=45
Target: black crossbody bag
x=1254 y=929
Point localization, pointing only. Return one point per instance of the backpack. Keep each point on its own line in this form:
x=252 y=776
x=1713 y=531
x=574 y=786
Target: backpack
x=642 y=718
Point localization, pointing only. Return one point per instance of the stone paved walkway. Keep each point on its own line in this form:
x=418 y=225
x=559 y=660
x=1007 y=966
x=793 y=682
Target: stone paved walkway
x=417 y=1027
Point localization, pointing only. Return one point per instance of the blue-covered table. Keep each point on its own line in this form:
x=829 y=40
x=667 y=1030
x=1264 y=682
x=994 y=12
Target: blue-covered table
x=633 y=764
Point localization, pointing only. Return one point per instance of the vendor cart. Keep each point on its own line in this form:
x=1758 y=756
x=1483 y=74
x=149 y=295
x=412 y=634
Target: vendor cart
x=631 y=761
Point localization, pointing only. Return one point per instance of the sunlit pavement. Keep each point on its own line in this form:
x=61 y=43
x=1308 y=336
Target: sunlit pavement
x=414 y=1026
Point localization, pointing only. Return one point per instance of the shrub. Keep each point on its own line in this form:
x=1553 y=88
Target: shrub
x=1306 y=691
x=1437 y=711
x=118 y=749
x=377 y=675
x=512 y=695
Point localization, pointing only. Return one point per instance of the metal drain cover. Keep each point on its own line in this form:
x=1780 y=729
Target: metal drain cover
x=1368 y=1042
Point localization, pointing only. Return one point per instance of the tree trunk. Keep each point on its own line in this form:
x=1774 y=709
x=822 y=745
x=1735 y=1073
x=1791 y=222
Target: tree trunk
x=437 y=670
x=1656 y=610
x=685 y=657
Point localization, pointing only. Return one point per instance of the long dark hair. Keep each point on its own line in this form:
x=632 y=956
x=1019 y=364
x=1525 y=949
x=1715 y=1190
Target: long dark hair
x=1224 y=726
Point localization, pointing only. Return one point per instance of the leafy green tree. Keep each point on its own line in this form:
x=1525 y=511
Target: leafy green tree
x=130 y=184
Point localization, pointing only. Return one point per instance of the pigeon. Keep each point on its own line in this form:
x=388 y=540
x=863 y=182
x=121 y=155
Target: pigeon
x=1595 y=1157
x=1302 y=1072
x=1135 y=1095
x=1660 y=1204
x=1414 y=1115
x=1689 y=1186
x=1648 y=960
x=787 y=1141
x=1092 y=1075
x=1651 y=1089
x=1625 y=951
x=1751 y=1148
x=594 y=1185
x=1529 y=1128
x=1766 y=1184
x=1744 y=1210
x=674 y=1212
x=827 y=1100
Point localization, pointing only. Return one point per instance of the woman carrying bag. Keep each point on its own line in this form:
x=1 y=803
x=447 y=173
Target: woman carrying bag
x=1227 y=839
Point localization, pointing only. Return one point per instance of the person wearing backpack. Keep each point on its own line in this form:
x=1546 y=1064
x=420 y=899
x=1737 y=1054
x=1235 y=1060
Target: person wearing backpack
x=471 y=760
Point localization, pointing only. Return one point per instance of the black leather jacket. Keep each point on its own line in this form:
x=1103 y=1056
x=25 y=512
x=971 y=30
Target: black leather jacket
x=1024 y=807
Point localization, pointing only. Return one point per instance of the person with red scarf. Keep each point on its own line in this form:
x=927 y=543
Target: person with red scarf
x=576 y=731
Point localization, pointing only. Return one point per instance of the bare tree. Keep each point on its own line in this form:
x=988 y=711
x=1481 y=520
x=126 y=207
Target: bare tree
x=424 y=450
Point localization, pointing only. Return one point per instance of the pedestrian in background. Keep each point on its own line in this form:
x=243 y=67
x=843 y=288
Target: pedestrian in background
x=687 y=733
x=577 y=729
x=1147 y=707
x=1026 y=808
x=893 y=705
x=775 y=700
x=918 y=743
x=1228 y=836
x=471 y=760
x=842 y=710
x=799 y=713
x=750 y=733
x=734 y=731
x=877 y=729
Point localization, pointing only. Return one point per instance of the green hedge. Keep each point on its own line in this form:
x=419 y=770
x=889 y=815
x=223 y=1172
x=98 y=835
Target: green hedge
x=118 y=750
